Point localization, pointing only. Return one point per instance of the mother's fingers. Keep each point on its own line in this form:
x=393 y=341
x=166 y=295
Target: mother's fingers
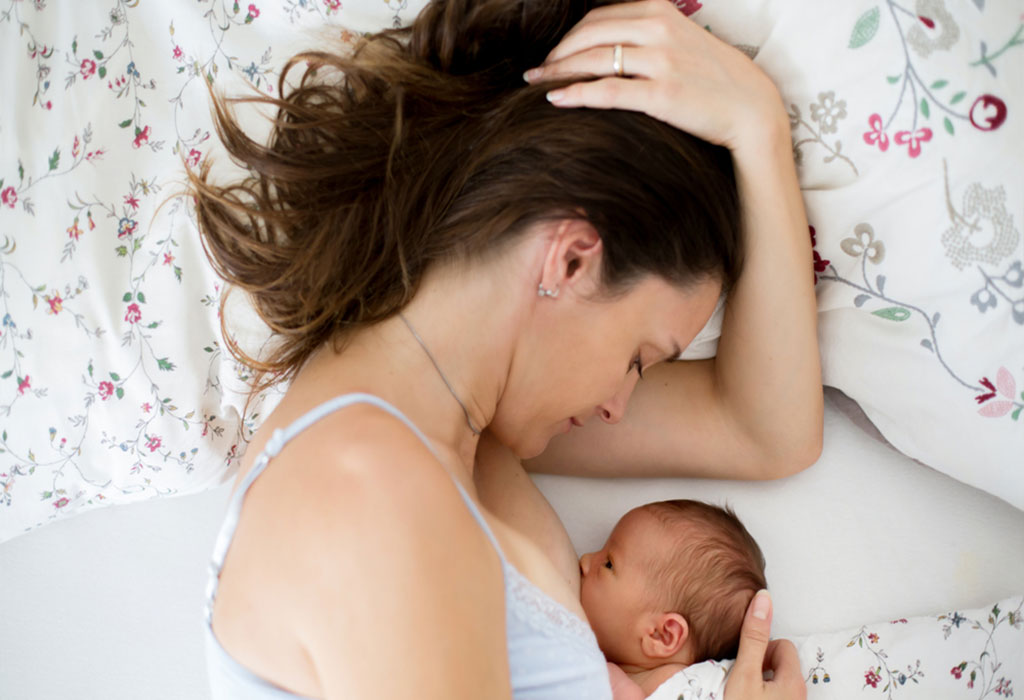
x=784 y=662
x=611 y=93
x=746 y=678
x=637 y=23
x=637 y=61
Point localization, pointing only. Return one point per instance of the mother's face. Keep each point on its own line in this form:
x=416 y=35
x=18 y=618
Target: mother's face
x=578 y=357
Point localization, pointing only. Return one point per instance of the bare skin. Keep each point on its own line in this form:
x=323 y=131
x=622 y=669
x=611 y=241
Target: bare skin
x=357 y=508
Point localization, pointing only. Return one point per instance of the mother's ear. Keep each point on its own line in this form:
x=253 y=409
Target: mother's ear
x=573 y=260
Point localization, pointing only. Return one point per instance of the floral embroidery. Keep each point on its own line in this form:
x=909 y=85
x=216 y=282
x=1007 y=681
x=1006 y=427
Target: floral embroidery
x=932 y=29
x=863 y=242
x=914 y=140
x=9 y=197
x=865 y=246
x=942 y=31
x=877 y=133
x=825 y=113
x=987 y=669
x=688 y=7
x=820 y=264
x=817 y=672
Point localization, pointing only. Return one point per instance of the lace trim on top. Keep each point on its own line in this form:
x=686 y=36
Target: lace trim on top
x=532 y=605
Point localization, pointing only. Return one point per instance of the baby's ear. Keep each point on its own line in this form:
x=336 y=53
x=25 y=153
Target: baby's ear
x=666 y=636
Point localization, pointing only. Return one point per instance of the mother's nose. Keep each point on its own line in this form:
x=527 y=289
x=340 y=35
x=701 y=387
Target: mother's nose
x=585 y=563
x=612 y=410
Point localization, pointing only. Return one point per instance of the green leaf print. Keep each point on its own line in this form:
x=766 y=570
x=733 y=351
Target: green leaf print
x=893 y=313
x=864 y=30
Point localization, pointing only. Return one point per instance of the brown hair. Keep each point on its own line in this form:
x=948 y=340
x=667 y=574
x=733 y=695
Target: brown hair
x=424 y=146
x=715 y=569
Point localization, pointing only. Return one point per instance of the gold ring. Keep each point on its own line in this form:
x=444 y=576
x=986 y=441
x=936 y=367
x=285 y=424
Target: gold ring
x=617 y=60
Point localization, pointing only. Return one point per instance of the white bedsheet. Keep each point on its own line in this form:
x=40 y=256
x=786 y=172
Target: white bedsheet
x=108 y=605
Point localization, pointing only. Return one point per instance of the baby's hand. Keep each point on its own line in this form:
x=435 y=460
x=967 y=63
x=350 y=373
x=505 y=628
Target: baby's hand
x=623 y=687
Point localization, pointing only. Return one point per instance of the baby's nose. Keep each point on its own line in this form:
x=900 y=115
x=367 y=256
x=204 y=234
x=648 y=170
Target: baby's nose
x=585 y=563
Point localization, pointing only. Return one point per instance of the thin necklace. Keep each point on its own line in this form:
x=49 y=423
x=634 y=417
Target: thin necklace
x=469 y=421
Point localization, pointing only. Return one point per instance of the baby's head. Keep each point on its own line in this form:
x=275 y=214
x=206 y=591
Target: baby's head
x=671 y=584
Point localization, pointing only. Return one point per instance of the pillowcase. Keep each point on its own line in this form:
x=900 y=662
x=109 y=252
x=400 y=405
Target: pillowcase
x=907 y=123
x=114 y=383
x=961 y=654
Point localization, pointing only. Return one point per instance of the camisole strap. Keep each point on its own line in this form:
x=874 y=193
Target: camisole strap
x=273 y=447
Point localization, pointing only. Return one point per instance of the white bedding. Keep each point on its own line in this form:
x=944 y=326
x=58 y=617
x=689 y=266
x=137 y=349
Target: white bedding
x=108 y=605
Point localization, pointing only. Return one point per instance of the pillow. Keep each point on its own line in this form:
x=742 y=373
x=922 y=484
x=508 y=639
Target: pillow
x=907 y=124
x=114 y=383
x=961 y=654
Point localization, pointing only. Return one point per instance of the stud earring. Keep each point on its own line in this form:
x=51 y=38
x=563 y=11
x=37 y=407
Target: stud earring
x=541 y=292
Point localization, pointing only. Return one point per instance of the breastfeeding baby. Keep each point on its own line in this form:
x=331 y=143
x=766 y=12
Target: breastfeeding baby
x=669 y=589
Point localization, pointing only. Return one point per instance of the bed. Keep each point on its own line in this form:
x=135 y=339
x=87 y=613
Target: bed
x=900 y=554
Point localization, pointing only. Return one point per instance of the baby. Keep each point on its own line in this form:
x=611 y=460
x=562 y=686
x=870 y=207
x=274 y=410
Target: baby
x=669 y=588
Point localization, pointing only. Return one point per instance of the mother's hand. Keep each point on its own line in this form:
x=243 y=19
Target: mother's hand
x=672 y=69
x=757 y=654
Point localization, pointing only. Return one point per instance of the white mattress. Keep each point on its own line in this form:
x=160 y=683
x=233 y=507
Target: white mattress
x=108 y=605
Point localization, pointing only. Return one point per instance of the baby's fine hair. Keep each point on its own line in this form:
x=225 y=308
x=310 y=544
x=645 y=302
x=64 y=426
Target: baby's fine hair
x=714 y=572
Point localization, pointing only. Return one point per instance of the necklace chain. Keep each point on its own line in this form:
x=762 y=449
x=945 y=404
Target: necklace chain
x=469 y=421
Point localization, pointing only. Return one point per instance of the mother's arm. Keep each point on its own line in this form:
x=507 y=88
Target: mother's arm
x=754 y=411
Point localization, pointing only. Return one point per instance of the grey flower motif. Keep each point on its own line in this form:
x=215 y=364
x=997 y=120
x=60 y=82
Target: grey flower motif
x=943 y=30
x=984 y=232
x=984 y=299
x=864 y=243
x=1015 y=275
x=827 y=111
x=794 y=116
x=1018 y=311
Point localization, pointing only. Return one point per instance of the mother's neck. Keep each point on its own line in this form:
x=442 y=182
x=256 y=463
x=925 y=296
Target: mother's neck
x=469 y=317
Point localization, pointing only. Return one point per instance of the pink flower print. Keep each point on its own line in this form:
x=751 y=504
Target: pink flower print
x=688 y=7
x=9 y=197
x=958 y=671
x=876 y=135
x=168 y=258
x=153 y=443
x=871 y=678
x=126 y=227
x=178 y=53
x=979 y=113
x=254 y=12
x=55 y=302
x=193 y=158
x=141 y=137
x=88 y=68
x=131 y=201
x=73 y=231
x=75 y=148
x=23 y=384
x=915 y=140
x=1003 y=688
x=61 y=502
x=873 y=638
x=1005 y=386
x=146 y=408
x=106 y=389
x=332 y=5
x=133 y=314
x=49 y=105
x=92 y=224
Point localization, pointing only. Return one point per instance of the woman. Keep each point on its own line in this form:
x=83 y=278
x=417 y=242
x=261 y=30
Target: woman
x=440 y=250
